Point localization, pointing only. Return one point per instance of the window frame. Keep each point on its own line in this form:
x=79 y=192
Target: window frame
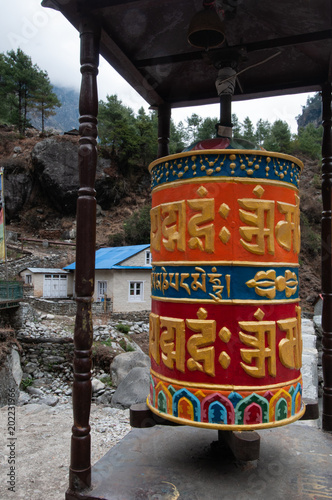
x=136 y=297
x=148 y=257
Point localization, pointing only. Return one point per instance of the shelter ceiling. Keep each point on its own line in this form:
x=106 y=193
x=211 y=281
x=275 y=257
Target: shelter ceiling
x=281 y=47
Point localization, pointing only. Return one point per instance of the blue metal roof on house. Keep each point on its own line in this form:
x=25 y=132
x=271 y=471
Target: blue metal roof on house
x=111 y=257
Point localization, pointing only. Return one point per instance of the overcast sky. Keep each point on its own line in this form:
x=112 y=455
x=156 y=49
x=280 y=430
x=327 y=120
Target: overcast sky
x=53 y=44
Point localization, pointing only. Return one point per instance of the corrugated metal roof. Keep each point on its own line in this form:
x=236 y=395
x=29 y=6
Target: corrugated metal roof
x=43 y=270
x=108 y=258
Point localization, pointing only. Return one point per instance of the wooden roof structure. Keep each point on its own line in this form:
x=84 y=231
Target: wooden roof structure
x=146 y=42
x=276 y=47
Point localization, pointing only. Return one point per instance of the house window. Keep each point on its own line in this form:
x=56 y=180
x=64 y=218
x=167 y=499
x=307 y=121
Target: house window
x=101 y=290
x=148 y=258
x=136 y=291
x=28 y=279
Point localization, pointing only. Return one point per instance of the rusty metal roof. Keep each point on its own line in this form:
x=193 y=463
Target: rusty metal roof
x=282 y=46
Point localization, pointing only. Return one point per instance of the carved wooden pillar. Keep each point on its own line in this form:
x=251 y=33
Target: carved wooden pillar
x=327 y=258
x=164 y=126
x=80 y=467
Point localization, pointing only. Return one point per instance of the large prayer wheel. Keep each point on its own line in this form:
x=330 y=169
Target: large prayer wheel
x=225 y=326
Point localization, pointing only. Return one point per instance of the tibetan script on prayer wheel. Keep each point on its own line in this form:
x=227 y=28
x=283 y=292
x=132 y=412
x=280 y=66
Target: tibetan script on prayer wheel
x=225 y=326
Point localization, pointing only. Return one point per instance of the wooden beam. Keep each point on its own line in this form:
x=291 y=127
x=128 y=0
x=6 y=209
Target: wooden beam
x=327 y=257
x=164 y=126
x=245 y=445
x=248 y=47
x=80 y=466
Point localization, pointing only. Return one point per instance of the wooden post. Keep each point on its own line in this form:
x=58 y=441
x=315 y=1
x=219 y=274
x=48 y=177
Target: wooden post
x=80 y=467
x=164 y=126
x=327 y=258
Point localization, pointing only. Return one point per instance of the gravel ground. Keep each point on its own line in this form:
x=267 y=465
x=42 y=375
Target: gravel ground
x=41 y=450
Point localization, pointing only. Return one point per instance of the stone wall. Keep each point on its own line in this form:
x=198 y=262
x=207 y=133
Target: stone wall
x=16 y=317
x=132 y=316
x=66 y=307
x=40 y=355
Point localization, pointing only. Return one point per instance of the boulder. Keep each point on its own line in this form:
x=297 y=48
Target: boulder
x=19 y=185
x=134 y=388
x=10 y=378
x=56 y=167
x=97 y=385
x=123 y=363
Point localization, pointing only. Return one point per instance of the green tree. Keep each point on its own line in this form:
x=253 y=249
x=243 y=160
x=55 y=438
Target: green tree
x=24 y=87
x=117 y=131
x=19 y=80
x=147 y=130
x=137 y=227
x=248 y=131
x=44 y=99
x=236 y=129
x=310 y=140
x=207 y=129
x=279 y=139
x=263 y=130
x=193 y=123
x=176 y=140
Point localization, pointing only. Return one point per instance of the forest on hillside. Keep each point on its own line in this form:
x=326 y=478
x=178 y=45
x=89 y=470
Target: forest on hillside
x=129 y=139
x=27 y=95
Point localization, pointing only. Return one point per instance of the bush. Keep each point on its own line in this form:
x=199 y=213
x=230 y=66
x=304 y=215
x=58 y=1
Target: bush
x=137 y=227
x=122 y=328
x=310 y=240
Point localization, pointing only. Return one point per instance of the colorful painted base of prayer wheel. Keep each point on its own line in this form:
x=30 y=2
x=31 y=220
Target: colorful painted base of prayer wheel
x=225 y=326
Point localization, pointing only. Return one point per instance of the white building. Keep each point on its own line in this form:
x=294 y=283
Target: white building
x=48 y=283
x=123 y=276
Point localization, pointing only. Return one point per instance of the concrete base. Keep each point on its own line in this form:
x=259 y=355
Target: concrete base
x=167 y=463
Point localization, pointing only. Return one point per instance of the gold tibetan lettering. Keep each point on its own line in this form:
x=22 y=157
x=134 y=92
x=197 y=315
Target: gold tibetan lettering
x=259 y=215
x=155 y=233
x=184 y=285
x=174 y=225
x=172 y=343
x=288 y=230
x=217 y=287
x=259 y=332
x=154 y=330
x=174 y=284
x=290 y=348
x=200 y=346
x=195 y=285
x=202 y=235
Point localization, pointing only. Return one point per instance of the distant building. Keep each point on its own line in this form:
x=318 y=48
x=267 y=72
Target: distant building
x=123 y=277
x=47 y=282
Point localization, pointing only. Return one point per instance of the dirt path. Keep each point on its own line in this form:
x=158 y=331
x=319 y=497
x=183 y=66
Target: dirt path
x=40 y=453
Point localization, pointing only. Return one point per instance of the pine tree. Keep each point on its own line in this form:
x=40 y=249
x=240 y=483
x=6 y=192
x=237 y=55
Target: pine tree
x=248 y=131
x=24 y=87
x=44 y=99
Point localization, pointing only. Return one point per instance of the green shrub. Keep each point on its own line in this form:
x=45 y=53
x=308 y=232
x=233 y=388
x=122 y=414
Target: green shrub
x=137 y=227
x=126 y=346
x=122 y=328
x=26 y=382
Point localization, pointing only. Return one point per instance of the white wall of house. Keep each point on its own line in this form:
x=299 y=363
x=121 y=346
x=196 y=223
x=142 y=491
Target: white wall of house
x=71 y=283
x=132 y=290
x=38 y=282
x=103 y=276
x=136 y=260
x=128 y=289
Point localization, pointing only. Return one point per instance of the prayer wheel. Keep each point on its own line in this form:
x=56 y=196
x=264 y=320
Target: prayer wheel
x=225 y=326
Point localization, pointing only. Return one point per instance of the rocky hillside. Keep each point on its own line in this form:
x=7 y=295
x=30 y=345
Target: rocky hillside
x=41 y=182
